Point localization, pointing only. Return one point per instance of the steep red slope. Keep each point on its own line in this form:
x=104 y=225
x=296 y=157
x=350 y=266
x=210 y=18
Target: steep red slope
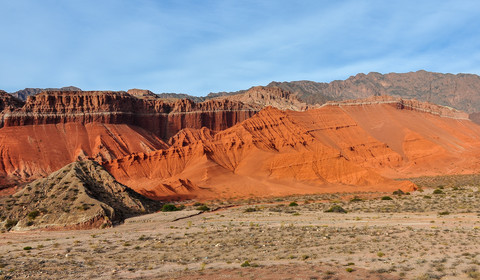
x=28 y=152
x=350 y=146
x=272 y=153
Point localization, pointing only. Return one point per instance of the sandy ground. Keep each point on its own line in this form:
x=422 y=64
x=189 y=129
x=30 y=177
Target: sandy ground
x=417 y=236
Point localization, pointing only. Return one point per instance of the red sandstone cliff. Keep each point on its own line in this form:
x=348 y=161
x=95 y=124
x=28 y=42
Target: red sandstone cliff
x=161 y=117
x=54 y=128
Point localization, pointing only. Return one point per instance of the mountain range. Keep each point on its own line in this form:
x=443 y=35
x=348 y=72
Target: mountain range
x=362 y=134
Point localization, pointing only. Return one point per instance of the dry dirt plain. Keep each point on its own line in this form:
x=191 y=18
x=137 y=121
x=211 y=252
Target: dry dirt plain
x=432 y=234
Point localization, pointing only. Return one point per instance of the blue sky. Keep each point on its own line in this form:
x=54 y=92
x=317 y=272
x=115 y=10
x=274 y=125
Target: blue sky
x=202 y=46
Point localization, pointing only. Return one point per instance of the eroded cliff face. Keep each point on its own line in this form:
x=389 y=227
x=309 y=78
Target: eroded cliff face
x=54 y=128
x=161 y=117
x=9 y=102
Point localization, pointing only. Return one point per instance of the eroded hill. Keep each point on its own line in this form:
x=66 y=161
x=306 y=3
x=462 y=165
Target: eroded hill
x=80 y=195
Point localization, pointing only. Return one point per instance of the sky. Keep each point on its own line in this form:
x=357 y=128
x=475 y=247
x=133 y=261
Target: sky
x=202 y=46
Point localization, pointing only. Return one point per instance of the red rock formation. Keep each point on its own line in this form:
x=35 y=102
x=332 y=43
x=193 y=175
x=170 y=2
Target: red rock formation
x=8 y=102
x=54 y=128
x=339 y=147
x=31 y=151
x=158 y=116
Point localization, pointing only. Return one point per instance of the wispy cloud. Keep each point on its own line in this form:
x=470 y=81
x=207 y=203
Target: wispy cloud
x=201 y=46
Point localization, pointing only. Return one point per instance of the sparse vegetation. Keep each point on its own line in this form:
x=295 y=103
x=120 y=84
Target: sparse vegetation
x=336 y=209
x=398 y=192
x=169 y=208
x=32 y=215
x=251 y=209
x=203 y=208
x=438 y=191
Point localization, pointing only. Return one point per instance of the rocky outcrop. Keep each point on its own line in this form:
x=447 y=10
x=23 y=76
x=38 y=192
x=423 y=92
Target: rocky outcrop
x=80 y=195
x=405 y=104
x=141 y=93
x=163 y=118
x=9 y=102
x=261 y=97
x=25 y=93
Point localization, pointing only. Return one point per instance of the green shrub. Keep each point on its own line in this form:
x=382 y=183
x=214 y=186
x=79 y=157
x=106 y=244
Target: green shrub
x=169 y=208
x=251 y=209
x=203 y=208
x=336 y=209
x=349 y=269
x=293 y=203
x=32 y=215
x=27 y=248
x=29 y=223
x=438 y=191
x=387 y=198
x=245 y=264
x=398 y=192
x=356 y=199
x=444 y=213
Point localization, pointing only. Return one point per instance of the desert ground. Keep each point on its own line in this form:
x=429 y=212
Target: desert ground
x=433 y=233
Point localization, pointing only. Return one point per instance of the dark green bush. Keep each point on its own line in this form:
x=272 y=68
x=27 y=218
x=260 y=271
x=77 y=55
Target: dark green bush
x=293 y=203
x=356 y=199
x=398 y=192
x=387 y=198
x=169 y=208
x=203 y=208
x=32 y=215
x=336 y=209
x=438 y=191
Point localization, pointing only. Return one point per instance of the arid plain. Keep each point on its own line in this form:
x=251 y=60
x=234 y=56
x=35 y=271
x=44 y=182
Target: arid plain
x=432 y=233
